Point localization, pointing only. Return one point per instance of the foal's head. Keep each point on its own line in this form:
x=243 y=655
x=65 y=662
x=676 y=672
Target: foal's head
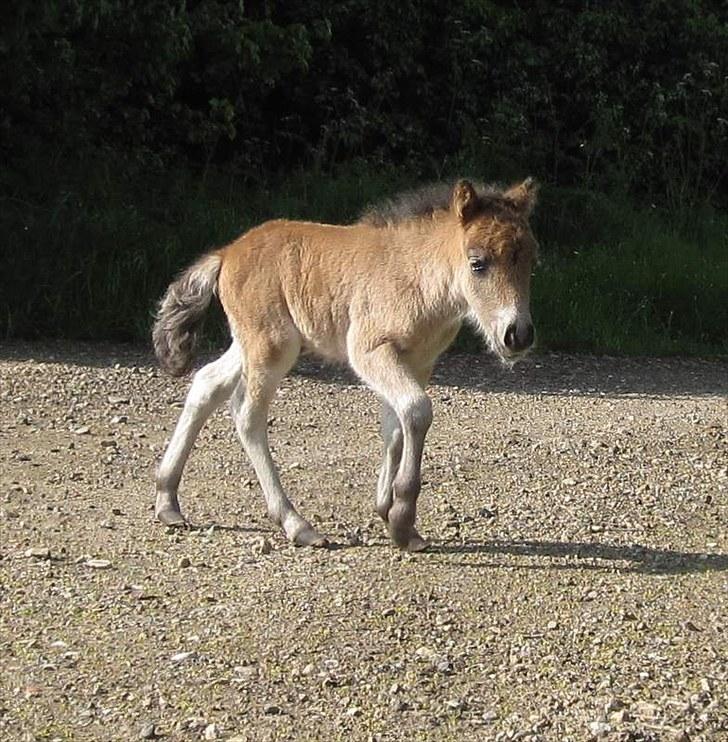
x=497 y=254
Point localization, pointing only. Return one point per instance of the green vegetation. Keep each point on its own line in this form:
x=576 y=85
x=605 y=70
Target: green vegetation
x=613 y=278
x=135 y=135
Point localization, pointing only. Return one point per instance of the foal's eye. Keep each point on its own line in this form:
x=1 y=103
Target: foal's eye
x=478 y=265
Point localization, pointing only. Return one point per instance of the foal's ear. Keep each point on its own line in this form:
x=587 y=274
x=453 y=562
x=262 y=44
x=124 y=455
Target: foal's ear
x=464 y=200
x=523 y=196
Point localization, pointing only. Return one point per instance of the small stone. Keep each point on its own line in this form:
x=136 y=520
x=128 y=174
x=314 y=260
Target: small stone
x=184 y=562
x=353 y=538
x=261 y=546
x=646 y=710
x=98 y=563
x=271 y=709
x=82 y=430
x=387 y=612
x=551 y=625
x=308 y=669
x=148 y=731
x=599 y=728
x=596 y=528
x=706 y=685
x=619 y=717
x=181 y=656
x=613 y=704
x=38 y=552
x=210 y=732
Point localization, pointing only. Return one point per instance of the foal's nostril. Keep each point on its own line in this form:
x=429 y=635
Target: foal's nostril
x=517 y=341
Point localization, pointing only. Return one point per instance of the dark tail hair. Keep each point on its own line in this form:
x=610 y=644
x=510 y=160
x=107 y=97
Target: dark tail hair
x=181 y=311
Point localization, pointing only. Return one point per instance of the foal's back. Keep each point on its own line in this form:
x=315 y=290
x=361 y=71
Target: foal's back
x=314 y=281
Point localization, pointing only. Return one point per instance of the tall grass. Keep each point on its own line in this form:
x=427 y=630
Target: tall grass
x=89 y=259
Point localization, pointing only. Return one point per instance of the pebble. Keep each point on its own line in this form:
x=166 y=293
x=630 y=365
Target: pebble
x=210 y=732
x=98 y=563
x=619 y=717
x=82 y=430
x=184 y=562
x=261 y=546
x=353 y=538
x=599 y=728
x=38 y=552
x=181 y=656
x=271 y=709
x=148 y=731
x=646 y=710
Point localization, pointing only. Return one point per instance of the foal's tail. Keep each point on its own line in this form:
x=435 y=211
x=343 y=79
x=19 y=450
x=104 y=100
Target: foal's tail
x=181 y=311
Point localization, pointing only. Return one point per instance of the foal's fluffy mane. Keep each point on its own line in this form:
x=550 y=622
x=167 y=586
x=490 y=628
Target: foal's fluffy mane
x=423 y=202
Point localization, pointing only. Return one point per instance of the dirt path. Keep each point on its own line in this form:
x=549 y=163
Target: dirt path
x=577 y=586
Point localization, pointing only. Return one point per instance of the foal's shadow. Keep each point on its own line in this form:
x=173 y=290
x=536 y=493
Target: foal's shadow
x=592 y=556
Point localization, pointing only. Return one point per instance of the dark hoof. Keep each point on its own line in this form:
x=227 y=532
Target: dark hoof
x=171 y=517
x=309 y=536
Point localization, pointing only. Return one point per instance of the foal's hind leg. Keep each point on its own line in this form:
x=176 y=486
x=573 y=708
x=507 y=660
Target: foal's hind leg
x=249 y=407
x=211 y=386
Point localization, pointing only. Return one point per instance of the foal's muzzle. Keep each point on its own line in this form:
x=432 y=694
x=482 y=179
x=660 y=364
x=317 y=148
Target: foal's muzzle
x=518 y=338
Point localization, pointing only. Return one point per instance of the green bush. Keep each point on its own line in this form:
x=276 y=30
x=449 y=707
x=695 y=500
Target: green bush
x=600 y=95
x=93 y=262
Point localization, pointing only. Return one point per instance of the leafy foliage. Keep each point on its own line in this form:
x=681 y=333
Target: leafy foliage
x=622 y=93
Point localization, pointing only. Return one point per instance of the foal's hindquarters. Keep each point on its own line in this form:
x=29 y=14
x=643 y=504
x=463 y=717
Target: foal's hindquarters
x=250 y=393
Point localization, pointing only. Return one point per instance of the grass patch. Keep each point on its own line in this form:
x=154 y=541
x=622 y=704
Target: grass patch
x=87 y=257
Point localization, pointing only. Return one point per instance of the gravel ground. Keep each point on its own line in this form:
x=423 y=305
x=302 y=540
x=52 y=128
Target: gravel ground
x=577 y=586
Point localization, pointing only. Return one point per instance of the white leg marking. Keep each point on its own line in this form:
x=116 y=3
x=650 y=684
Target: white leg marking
x=211 y=386
x=249 y=408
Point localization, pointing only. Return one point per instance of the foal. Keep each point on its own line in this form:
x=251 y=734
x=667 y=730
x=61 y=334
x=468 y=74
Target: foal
x=386 y=294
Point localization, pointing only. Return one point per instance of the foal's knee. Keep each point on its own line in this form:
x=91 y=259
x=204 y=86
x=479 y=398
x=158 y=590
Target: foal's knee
x=417 y=415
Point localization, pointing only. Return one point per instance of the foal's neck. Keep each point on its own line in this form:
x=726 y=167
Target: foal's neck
x=440 y=267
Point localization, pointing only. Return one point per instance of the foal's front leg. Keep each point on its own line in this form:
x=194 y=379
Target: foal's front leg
x=392 y=439
x=384 y=370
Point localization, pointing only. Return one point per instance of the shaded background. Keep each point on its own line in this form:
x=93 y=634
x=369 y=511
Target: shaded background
x=135 y=135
